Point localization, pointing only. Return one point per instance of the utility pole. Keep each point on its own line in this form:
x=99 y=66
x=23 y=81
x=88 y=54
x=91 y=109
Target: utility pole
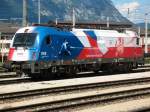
x=139 y=31
x=2 y=51
x=146 y=48
x=1 y=47
x=139 y=34
x=108 y=22
x=39 y=12
x=56 y=21
x=25 y=9
x=73 y=19
x=128 y=13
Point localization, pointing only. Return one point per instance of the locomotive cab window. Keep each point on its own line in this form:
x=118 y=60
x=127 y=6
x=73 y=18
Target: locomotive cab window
x=48 y=40
x=24 y=39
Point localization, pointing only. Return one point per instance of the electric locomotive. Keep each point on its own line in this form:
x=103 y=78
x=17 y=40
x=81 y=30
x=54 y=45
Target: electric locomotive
x=42 y=51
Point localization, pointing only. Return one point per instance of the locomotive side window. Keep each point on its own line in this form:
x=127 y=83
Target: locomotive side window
x=48 y=40
x=137 y=41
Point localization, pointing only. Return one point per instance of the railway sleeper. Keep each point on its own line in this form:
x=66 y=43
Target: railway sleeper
x=75 y=102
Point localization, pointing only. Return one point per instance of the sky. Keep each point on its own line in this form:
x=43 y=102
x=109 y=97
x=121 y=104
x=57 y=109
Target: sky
x=134 y=10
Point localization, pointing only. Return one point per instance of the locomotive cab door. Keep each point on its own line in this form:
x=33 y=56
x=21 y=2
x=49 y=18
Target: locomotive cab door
x=46 y=48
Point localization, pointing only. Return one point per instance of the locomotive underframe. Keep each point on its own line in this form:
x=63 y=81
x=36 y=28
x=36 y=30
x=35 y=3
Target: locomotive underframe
x=44 y=68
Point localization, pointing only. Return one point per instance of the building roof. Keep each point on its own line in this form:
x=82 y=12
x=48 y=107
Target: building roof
x=98 y=25
x=6 y=28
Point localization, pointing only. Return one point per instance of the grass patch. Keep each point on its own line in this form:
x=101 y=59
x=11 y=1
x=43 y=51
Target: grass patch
x=147 y=60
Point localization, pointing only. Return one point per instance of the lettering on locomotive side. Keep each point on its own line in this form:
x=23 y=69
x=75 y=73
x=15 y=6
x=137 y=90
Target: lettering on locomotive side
x=43 y=53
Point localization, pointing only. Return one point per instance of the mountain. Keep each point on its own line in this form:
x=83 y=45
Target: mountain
x=85 y=10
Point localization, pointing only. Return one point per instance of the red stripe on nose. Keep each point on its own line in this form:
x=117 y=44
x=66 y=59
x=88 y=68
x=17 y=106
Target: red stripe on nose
x=10 y=54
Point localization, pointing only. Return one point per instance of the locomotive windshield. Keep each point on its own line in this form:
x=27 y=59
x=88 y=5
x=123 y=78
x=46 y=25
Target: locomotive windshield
x=24 y=39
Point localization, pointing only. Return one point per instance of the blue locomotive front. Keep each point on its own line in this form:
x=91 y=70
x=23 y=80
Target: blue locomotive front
x=37 y=49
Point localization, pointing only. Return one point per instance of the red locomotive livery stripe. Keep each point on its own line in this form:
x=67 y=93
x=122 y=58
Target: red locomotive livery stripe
x=91 y=52
x=92 y=41
x=87 y=53
x=128 y=52
x=10 y=54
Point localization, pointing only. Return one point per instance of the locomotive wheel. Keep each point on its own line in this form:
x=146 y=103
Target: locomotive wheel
x=34 y=76
x=74 y=70
x=46 y=74
x=110 y=68
x=135 y=65
x=96 y=71
x=20 y=73
x=128 y=67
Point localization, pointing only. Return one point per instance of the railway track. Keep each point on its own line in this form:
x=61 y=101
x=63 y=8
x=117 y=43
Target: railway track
x=76 y=96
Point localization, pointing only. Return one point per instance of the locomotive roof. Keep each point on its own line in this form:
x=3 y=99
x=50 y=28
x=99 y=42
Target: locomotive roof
x=36 y=28
x=107 y=33
x=79 y=32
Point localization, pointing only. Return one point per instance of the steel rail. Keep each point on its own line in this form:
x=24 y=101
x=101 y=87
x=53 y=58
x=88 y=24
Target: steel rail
x=10 y=97
x=19 y=94
x=79 y=101
x=101 y=99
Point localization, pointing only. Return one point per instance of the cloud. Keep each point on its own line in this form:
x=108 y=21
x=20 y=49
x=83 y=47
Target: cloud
x=132 y=6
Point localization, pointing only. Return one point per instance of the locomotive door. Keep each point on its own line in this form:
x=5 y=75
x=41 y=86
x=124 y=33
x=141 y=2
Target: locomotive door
x=46 y=48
